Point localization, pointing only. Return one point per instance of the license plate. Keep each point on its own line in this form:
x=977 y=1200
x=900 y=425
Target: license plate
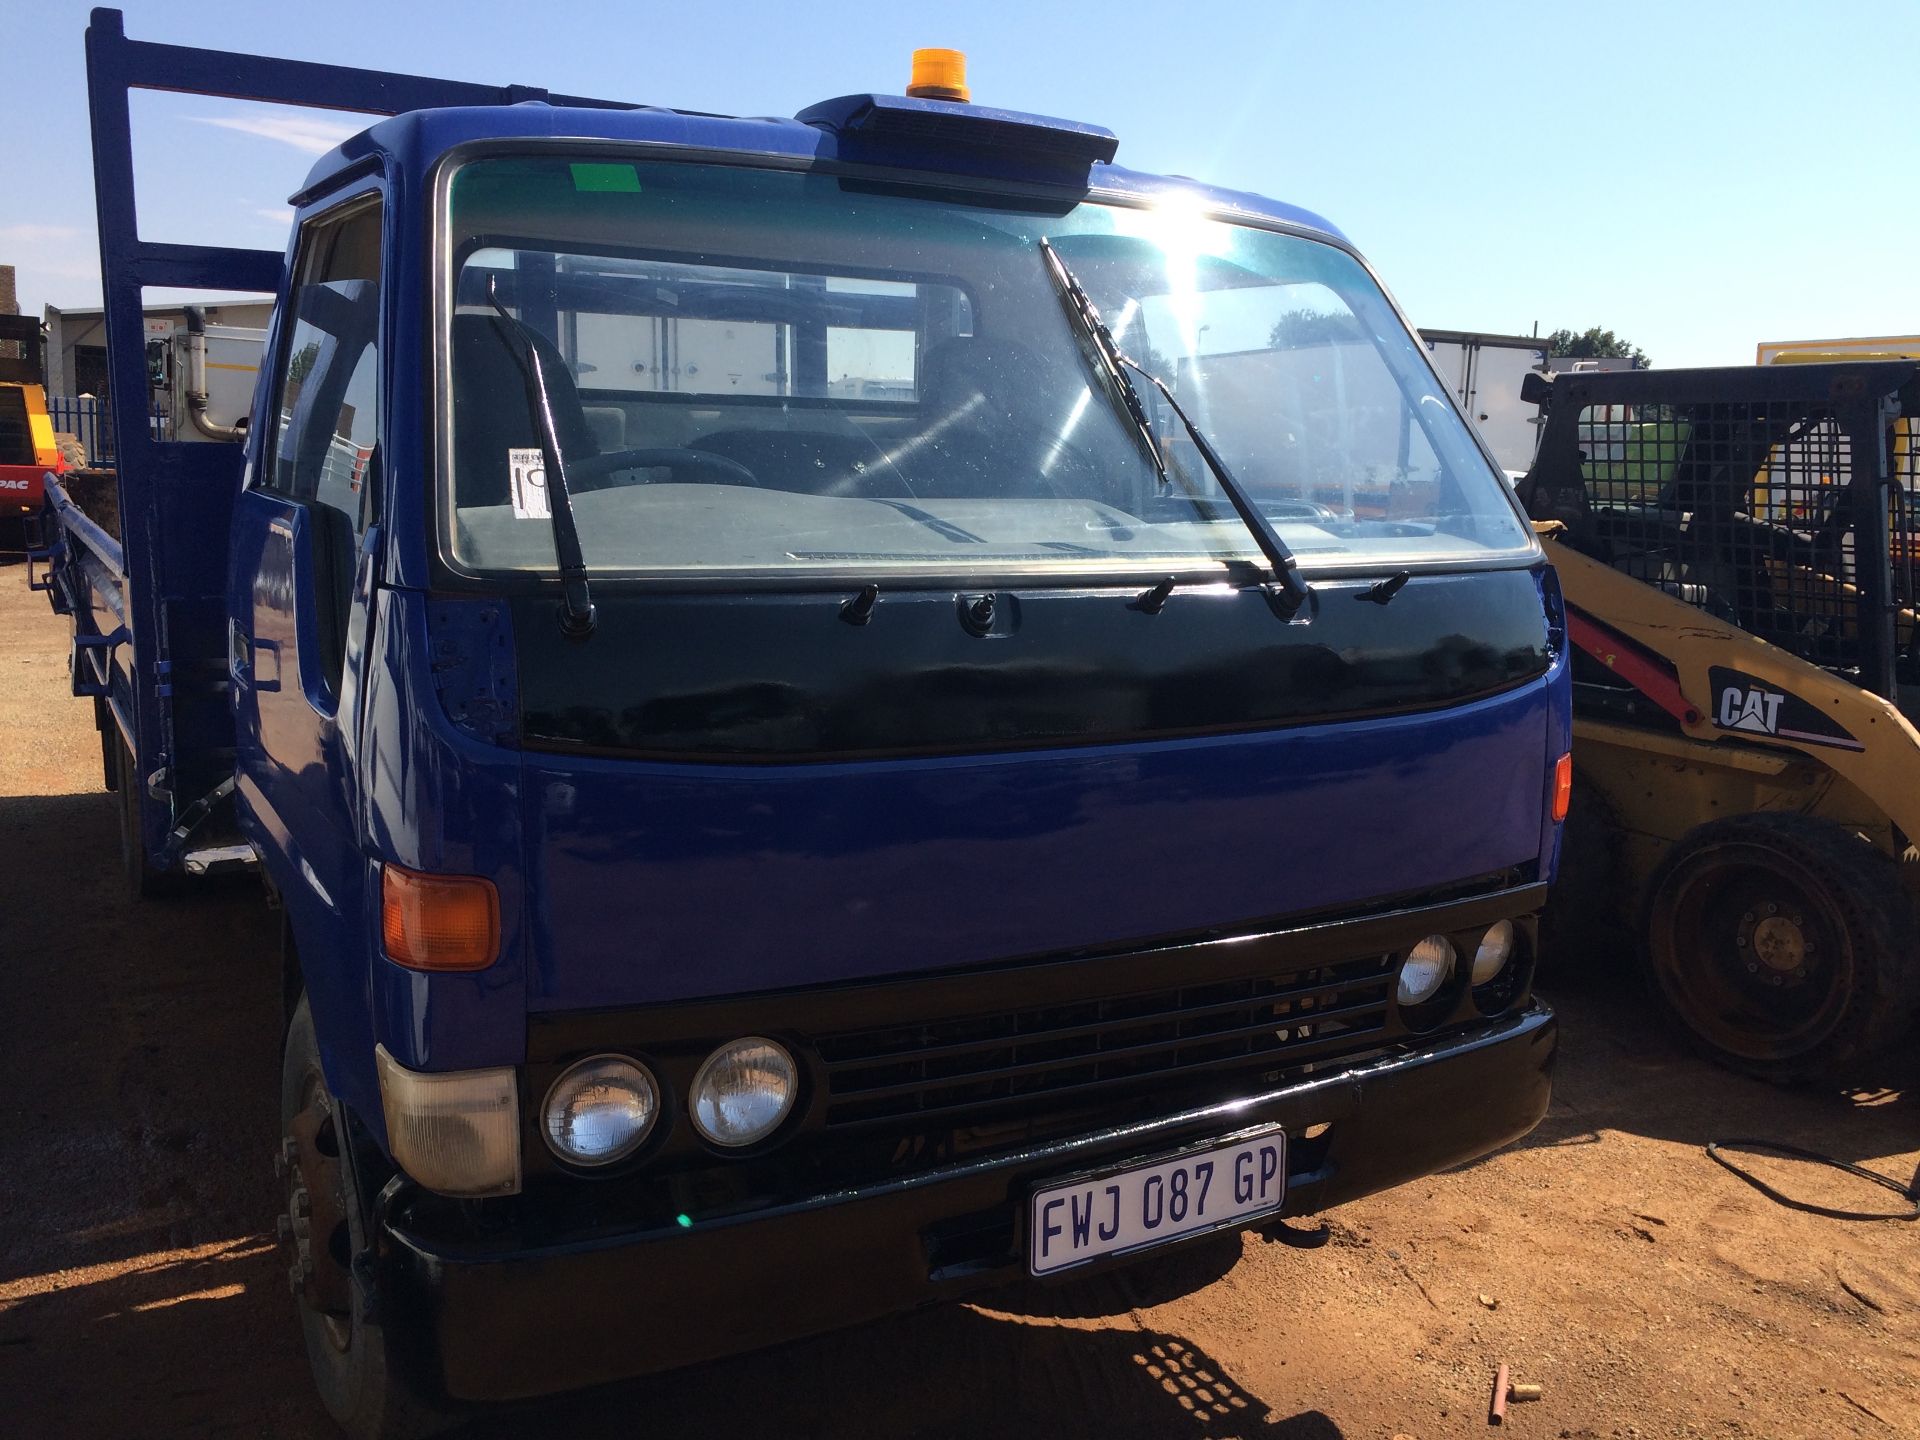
x=1099 y=1215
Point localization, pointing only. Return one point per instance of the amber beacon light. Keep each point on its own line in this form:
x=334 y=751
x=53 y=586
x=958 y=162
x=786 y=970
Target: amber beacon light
x=939 y=75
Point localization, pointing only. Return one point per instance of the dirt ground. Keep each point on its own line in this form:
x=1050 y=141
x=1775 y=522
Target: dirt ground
x=1606 y=1257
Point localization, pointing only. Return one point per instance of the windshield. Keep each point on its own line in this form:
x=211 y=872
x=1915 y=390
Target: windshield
x=765 y=371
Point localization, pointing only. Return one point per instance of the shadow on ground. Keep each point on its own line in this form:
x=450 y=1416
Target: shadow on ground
x=957 y=1371
x=1623 y=1069
x=139 y=1276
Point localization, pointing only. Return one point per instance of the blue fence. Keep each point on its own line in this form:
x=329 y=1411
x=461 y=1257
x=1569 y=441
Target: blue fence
x=86 y=418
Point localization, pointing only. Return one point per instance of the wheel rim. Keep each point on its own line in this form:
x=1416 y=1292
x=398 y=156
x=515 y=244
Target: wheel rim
x=1751 y=952
x=316 y=1208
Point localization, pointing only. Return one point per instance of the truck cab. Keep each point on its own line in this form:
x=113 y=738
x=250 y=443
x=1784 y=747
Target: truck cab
x=845 y=709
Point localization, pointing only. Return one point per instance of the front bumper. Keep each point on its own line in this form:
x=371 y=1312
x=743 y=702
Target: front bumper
x=513 y=1323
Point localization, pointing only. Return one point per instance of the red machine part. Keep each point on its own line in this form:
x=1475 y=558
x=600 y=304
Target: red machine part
x=21 y=486
x=1633 y=663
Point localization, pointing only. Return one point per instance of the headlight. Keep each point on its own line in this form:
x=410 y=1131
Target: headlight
x=454 y=1131
x=1493 y=952
x=743 y=1091
x=1426 y=969
x=600 y=1110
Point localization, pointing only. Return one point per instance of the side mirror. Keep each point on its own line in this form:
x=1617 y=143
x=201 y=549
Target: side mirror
x=1536 y=389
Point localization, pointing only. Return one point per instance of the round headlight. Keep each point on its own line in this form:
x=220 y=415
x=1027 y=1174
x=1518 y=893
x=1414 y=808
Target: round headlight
x=600 y=1110
x=1495 y=949
x=743 y=1091
x=1426 y=969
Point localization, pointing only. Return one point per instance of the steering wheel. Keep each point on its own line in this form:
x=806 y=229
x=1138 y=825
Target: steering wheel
x=1299 y=510
x=664 y=458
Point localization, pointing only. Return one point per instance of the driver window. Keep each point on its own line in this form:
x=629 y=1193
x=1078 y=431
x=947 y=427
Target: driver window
x=328 y=413
x=326 y=409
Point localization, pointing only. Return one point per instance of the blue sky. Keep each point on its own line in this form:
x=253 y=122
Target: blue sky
x=1696 y=176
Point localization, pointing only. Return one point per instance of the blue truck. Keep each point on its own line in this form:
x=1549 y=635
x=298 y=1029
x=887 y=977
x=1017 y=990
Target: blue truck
x=839 y=710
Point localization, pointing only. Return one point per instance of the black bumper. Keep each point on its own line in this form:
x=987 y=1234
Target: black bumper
x=512 y=1324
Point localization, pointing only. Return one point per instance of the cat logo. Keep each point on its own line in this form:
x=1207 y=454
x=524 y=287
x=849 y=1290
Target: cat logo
x=1757 y=709
x=1751 y=706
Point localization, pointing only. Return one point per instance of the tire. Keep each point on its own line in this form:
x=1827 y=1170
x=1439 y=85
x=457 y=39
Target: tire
x=143 y=880
x=357 y=1368
x=1583 y=927
x=109 y=746
x=1781 y=946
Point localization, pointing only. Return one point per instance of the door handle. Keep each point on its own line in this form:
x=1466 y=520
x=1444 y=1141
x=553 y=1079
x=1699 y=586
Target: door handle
x=245 y=657
x=239 y=655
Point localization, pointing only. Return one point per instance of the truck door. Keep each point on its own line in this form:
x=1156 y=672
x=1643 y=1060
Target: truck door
x=302 y=567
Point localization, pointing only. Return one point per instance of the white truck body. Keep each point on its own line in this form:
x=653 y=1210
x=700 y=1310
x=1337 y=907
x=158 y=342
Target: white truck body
x=1485 y=373
x=233 y=365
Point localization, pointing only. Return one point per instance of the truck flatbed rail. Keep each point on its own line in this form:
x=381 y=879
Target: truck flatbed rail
x=150 y=642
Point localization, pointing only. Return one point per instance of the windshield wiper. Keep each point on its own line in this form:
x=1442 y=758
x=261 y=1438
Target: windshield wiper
x=577 y=613
x=1289 y=590
x=1104 y=352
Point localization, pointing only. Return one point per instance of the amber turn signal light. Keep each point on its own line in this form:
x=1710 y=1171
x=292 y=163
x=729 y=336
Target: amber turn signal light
x=1562 y=787
x=438 y=922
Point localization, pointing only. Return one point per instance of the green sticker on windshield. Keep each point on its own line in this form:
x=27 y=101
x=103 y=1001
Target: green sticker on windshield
x=606 y=179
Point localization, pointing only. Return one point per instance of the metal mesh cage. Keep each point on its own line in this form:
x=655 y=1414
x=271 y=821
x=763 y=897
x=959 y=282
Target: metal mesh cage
x=1903 y=537
x=1735 y=492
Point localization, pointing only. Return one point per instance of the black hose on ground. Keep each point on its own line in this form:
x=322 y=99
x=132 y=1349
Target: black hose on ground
x=1909 y=1193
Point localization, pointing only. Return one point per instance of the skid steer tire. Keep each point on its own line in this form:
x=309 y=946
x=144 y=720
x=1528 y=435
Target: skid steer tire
x=1781 y=946
x=1584 y=927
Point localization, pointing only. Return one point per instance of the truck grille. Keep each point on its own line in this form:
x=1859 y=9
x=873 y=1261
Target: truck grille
x=1037 y=1057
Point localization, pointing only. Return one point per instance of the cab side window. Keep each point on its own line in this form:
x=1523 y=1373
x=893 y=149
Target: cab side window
x=327 y=439
x=326 y=415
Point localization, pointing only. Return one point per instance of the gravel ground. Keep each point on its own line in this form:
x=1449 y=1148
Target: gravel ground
x=1650 y=1292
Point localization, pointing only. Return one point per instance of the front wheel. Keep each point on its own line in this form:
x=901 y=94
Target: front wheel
x=355 y=1365
x=1783 y=946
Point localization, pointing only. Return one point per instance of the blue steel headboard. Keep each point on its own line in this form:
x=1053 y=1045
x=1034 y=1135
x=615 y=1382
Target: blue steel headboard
x=176 y=498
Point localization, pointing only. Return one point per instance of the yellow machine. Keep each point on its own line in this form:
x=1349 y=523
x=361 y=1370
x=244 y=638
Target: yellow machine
x=1869 y=347
x=1737 y=549
x=28 y=449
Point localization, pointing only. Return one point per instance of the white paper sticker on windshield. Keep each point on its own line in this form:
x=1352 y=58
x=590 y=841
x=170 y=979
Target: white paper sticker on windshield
x=527 y=468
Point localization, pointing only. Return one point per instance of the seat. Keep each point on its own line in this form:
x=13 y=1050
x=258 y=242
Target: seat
x=1722 y=546
x=609 y=426
x=491 y=415
x=983 y=439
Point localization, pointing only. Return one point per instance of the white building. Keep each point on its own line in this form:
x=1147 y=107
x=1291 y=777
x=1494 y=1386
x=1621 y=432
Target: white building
x=77 y=338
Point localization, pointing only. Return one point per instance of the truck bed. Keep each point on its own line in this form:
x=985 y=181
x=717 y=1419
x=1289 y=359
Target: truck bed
x=96 y=493
x=149 y=657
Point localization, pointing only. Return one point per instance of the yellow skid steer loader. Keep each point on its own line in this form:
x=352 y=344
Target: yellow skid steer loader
x=1739 y=550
